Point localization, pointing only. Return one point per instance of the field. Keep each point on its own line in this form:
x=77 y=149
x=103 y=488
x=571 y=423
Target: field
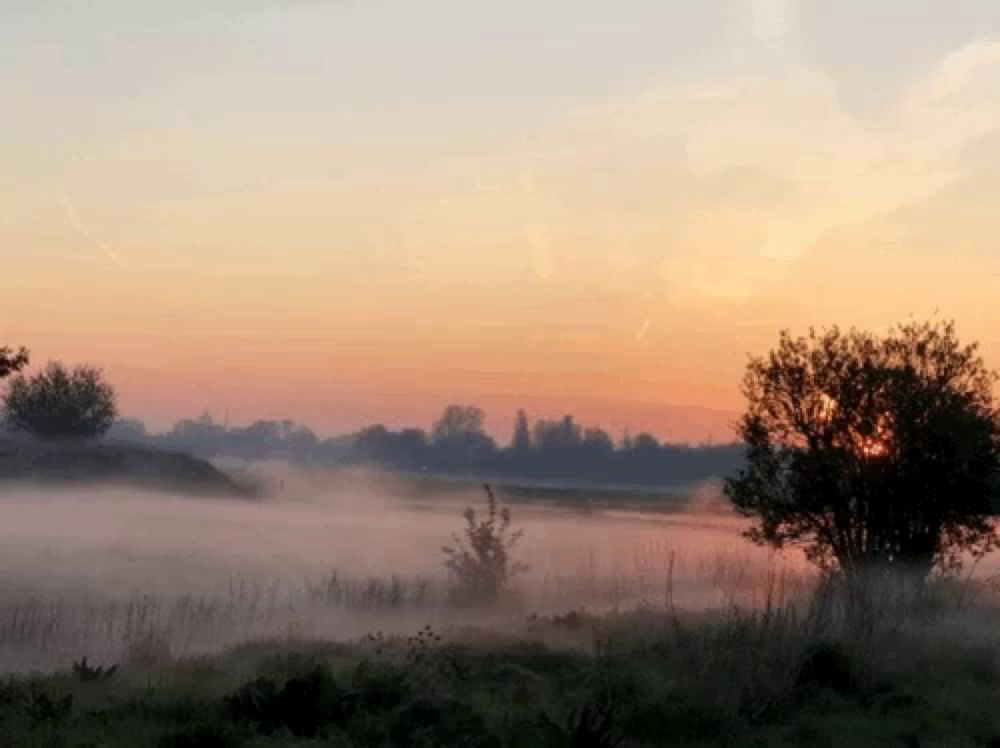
x=322 y=617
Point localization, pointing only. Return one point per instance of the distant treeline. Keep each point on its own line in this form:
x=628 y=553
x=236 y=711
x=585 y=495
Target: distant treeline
x=551 y=450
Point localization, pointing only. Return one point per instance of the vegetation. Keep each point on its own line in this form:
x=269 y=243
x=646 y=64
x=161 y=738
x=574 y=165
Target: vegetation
x=12 y=361
x=61 y=403
x=549 y=451
x=872 y=451
x=873 y=454
x=480 y=562
x=788 y=675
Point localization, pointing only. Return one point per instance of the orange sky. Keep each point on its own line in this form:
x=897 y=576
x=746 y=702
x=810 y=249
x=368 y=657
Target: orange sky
x=346 y=213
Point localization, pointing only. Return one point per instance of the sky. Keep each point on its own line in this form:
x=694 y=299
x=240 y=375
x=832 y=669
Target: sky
x=349 y=211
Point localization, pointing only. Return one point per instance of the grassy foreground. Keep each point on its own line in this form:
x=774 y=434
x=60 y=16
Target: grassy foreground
x=828 y=673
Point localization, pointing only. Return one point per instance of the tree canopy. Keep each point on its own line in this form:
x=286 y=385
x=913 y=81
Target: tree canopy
x=868 y=450
x=61 y=403
x=12 y=361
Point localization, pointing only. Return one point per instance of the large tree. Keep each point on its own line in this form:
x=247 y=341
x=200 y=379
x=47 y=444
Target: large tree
x=871 y=450
x=61 y=403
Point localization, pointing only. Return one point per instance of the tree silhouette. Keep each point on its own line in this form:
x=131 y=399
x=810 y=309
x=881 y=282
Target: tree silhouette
x=61 y=403
x=12 y=361
x=871 y=451
x=457 y=423
x=520 y=444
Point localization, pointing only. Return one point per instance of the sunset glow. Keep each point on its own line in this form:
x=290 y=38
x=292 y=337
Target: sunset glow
x=347 y=212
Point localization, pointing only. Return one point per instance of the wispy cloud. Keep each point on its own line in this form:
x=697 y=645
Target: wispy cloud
x=642 y=330
x=69 y=209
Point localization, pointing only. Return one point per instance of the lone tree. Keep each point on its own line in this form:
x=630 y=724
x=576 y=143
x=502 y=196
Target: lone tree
x=871 y=451
x=61 y=403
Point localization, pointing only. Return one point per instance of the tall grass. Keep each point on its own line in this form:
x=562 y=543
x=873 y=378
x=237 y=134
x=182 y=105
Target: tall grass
x=724 y=597
x=47 y=630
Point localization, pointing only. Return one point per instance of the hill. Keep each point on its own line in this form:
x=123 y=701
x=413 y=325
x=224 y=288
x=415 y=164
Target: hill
x=113 y=462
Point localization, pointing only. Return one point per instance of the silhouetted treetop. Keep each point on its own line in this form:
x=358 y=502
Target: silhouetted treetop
x=871 y=450
x=458 y=422
x=61 y=403
x=12 y=361
x=567 y=451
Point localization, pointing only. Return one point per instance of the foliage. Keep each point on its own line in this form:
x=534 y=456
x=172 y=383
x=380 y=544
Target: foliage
x=734 y=678
x=12 y=361
x=827 y=665
x=458 y=422
x=304 y=705
x=871 y=451
x=593 y=724
x=61 y=403
x=545 y=450
x=87 y=673
x=480 y=562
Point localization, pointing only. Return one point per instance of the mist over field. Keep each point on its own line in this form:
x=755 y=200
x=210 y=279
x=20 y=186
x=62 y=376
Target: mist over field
x=327 y=554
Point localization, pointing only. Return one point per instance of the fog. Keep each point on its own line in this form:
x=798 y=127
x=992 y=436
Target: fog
x=96 y=570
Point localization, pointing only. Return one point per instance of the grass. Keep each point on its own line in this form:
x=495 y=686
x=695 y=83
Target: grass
x=48 y=631
x=792 y=667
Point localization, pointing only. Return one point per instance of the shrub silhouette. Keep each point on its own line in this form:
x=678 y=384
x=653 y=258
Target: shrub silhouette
x=309 y=704
x=304 y=705
x=871 y=451
x=827 y=666
x=87 y=673
x=61 y=403
x=592 y=724
x=480 y=562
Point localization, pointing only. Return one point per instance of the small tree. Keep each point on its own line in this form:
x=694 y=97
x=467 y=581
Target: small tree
x=869 y=451
x=480 y=562
x=61 y=403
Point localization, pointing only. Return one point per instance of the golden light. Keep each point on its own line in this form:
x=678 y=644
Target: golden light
x=875 y=445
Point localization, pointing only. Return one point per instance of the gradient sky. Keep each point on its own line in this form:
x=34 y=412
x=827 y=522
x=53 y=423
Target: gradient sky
x=349 y=211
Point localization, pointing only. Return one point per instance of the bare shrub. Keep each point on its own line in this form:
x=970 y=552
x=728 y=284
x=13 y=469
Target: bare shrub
x=480 y=561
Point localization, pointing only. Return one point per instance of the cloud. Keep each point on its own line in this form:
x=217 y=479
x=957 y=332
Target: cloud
x=788 y=128
x=69 y=209
x=957 y=71
x=772 y=20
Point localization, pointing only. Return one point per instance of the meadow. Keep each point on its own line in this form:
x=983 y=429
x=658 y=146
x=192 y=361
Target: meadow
x=322 y=616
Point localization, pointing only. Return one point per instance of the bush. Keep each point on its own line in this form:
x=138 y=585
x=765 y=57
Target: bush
x=304 y=705
x=480 y=562
x=61 y=403
x=828 y=666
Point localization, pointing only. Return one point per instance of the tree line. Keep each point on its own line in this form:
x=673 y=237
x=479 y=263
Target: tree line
x=863 y=450
x=457 y=443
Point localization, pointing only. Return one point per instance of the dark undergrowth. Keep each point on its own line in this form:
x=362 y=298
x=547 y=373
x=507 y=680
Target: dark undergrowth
x=643 y=679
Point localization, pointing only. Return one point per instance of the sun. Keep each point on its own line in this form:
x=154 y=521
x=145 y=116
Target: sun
x=877 y=444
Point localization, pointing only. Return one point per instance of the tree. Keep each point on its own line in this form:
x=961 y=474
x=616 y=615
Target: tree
x=202 y=435
x=558 y=434
x=12 y=361
x=871 y=451
x=459 y=441
x=457 y=423
x=521 y=441
x=61 y=403
x=129 y=429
